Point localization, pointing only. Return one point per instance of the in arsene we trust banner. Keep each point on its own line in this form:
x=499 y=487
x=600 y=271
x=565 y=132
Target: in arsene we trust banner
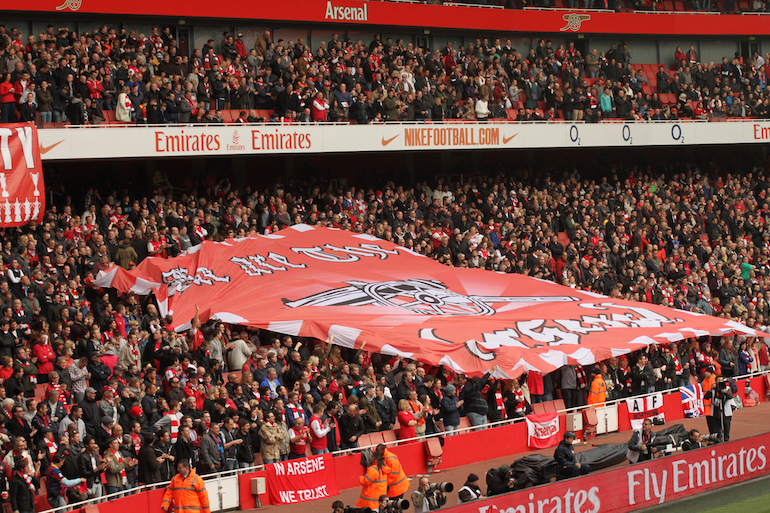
x=352 y=288
x=22 y=190
x=302 y=480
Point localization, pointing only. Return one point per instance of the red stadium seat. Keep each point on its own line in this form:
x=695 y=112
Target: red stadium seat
x=389 y=436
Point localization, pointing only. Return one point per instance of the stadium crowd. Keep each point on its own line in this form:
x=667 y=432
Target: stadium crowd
x=63 y=76
x=96 y=388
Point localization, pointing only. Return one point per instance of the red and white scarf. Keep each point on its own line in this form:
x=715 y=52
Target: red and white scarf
x=27 y=479
x=135 y=352
x=137 y=441
x=119 y=458
x=174 y=427
x=500 y=406
x=52 y=447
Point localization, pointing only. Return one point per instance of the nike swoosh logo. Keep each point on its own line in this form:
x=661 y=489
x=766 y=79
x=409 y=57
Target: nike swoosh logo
x=385 y=142
x=44 y=150
x=506 y=140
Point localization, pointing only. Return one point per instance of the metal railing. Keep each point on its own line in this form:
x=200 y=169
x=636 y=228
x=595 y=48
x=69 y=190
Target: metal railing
x=489 y=121
x=344 y=452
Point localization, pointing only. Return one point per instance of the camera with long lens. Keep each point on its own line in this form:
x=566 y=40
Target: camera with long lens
x=712 y=438
x=395 y=506
x=441 y=487
x=721 y=386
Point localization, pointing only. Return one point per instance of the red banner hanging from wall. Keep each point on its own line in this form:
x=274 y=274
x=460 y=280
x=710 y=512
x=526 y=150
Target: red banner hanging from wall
x=22 y=191
x=302 y=480
x=543 y=430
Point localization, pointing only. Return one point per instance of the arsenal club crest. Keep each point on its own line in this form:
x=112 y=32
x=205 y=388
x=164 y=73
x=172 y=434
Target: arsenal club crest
x=423 y=297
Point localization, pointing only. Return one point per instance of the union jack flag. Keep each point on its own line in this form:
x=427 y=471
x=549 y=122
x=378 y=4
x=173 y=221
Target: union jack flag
x=692 y=400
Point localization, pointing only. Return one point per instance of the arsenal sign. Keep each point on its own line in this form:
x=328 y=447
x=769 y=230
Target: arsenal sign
x=22 y=195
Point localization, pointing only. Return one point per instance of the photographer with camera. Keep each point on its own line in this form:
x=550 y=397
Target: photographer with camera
x=693 y=441
x=640 y=447
x=388 y=505
x=500 y=480
x=470 y=490
x=430 y=496
x=721 y=414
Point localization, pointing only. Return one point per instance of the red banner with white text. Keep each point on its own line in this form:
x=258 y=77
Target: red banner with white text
x=543 y=430
x=22 y=191
x=302 y=480
x=640 y=486
x=349 y=288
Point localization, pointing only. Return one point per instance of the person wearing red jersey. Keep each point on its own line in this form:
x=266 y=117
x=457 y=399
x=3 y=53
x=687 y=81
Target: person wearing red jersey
x=299 y=436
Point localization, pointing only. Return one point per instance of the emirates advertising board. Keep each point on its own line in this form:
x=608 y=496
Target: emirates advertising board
x=275 y=138
x=634 y=487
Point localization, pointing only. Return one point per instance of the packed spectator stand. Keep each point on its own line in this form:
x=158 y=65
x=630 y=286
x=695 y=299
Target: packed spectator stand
x=100 y=379
x=118 y=77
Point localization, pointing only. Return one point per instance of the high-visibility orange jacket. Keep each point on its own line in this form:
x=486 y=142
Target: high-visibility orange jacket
x=707 y=385
x=374 y=483
x=398 y=484
x=186 y=495
x=598 y=393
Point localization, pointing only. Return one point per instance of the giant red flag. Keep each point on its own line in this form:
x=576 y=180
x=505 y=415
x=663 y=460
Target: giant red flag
x=324 y=283
x=22 y=191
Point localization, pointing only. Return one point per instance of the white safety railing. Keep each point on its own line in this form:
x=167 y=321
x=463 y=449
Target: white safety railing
x=467 y=429
x=489 y=121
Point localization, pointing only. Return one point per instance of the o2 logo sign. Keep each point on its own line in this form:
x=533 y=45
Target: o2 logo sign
x=676 y=133
x=626 y=133
x=574 y=134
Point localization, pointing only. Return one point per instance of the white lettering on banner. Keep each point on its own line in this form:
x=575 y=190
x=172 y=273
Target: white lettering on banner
x=536 y=333
x=352 y=253
x=295 y=496
x=25 y=137
x=179 y=278
x=570 y=502
x=644 y=484
x=346 y=13
x=249 y=264
x=299 y=467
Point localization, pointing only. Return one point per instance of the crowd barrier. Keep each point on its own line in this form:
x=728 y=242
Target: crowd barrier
x=639 y=486
x=229 y=490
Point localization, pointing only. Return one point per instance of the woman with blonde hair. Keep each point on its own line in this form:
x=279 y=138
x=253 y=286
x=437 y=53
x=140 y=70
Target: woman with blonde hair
x=124 y=110
x=406 y=421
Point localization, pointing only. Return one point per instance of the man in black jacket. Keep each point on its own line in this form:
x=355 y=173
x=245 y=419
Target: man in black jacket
x=351 y=427
x=386 y=407
x=92 y=466
x=565 y=457
x=499 y=480
x=642 y=377
x=92 y=414
x=7 y=340
x=476 y=406
x=22 y=495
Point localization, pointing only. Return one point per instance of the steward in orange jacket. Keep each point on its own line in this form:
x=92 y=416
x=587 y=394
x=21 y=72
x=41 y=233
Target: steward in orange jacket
x=186 y=492
x=597 y=395
x=398 y=484
x=374 y=483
